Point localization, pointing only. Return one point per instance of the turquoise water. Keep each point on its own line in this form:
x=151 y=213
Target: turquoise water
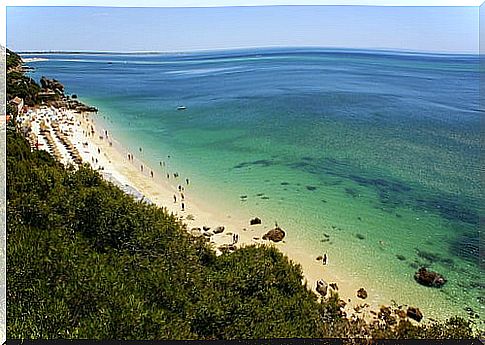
x=378 y=151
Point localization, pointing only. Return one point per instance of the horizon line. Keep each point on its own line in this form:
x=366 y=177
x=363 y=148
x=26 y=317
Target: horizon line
x=134 y=52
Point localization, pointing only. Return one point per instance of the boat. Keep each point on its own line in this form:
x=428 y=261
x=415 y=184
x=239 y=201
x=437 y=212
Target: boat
x=181 y=107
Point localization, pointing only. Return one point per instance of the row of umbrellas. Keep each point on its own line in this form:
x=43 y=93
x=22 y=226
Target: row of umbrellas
x=67 y=144
x=50 y=143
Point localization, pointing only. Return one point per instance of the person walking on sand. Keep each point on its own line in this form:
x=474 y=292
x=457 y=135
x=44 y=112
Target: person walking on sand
x=183 y=207
x=151 y=173
x=174 y=198
x=324 y=261
x=182 y=196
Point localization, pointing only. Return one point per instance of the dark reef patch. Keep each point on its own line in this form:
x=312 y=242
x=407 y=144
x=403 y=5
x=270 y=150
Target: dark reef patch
x=311 y=188
x=284 y=183
x=392 y=192
x=381 y=184
x=448 y=208
x=352 y=192
x=467 y=247
x=360 y=236
x=431 y=257
x=261 y=162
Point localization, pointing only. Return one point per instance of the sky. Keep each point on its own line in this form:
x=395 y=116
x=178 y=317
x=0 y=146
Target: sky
x=433 y=29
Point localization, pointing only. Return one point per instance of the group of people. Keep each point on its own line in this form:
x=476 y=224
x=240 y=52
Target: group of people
x=181 y=189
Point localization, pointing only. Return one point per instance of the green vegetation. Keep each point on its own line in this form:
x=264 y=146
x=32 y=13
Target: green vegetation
x=14 y=61
x=17 y=83
x=23 y=87
x=86 y=260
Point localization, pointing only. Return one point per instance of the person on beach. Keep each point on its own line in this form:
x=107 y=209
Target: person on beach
x=182 y=196
x=183 y=207
x=151 y=173
x=180 y=188
x=174 y=198
x=99 y=150
x=168 y=175
x=324 y=261
x=187 y=180
x=141 y=167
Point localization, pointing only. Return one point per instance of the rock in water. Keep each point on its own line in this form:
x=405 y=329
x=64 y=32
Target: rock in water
x=429 y=278
x=322 y=287
x=361 y=293
x=219 y=230
x=414 y=313
x=275 y=235
x=255 y=221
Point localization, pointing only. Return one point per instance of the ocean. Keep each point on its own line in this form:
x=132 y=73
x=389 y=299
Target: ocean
x=370 y=156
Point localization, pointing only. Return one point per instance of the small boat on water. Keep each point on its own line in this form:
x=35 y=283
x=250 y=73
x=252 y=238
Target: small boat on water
x=181 y=107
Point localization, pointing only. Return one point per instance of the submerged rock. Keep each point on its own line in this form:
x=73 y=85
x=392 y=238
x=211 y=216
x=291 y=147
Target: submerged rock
x=322 y=287
x=429 y=278
x=275 y=235
x=361 y=293
x=414 y=313
x=255 y=221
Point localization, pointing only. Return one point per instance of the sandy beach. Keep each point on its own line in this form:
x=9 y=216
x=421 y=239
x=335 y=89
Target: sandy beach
x=96 y=147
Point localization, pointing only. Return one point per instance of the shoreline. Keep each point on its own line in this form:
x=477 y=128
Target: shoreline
x=99 y=149
x=160 y=191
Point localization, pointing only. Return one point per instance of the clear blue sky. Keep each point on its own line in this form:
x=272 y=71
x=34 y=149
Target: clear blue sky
x=443 y=29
